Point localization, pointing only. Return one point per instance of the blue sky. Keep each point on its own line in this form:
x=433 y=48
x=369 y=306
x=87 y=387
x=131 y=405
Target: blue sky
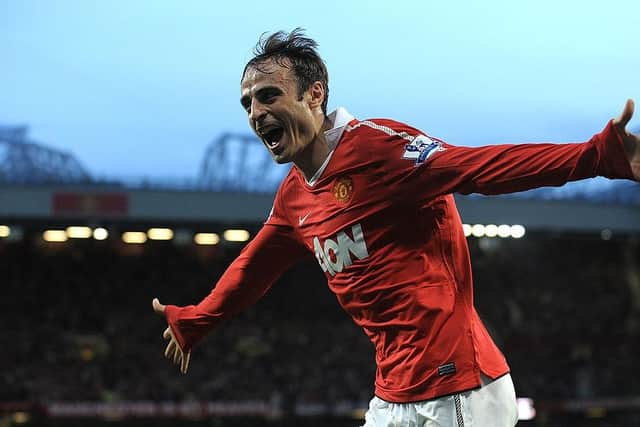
x=140 y=88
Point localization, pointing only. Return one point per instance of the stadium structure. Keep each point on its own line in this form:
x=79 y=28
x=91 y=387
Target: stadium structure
x=557 y=281
x=237 y=180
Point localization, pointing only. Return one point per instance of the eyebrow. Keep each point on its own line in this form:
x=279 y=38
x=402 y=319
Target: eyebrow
x=246 y=100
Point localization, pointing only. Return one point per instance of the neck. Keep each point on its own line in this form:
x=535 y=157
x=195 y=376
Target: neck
x=315 y=153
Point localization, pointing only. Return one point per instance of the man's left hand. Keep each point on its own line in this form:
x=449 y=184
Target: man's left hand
x=631 y=141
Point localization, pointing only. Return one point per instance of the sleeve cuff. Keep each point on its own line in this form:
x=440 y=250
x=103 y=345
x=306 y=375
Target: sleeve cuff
x=615 y=163
x=172 y=314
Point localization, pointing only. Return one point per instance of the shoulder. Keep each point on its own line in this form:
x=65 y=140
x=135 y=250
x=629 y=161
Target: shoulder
x=288 y=184
x=384 y=136
x=387 y=130
x=278 y=214
x=382 y=128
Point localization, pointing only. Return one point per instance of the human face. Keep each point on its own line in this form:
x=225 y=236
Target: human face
x=285 y=122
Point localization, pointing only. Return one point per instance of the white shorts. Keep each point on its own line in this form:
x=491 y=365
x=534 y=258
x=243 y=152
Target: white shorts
x=492 y=405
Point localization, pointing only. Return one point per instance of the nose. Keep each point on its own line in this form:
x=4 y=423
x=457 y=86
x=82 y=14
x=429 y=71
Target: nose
x=257 y=112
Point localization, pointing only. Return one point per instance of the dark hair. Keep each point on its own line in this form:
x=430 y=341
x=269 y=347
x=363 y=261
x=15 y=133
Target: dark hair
x=296 y=51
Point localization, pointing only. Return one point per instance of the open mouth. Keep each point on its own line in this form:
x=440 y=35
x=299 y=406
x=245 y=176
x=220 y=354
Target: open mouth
x=272 y=136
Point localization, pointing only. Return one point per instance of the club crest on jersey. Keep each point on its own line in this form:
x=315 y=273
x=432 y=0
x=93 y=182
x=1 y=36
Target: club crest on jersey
x=343 y=189
x=421 y=148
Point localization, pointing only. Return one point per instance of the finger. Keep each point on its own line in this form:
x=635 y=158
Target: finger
x=167 y=335
x=157 y=307
x=171 y=348
x=177 y=356
x=184 y=366
x=626 y=114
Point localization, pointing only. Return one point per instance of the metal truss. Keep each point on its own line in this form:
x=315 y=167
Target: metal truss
x=23 y=161
x=239 y=162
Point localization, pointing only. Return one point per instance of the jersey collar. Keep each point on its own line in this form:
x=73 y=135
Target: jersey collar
x=340 y=119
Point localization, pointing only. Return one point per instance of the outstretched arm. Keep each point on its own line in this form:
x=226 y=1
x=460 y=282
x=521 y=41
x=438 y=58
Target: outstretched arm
x=425 y=167
x=631 y=141
x=272 y=251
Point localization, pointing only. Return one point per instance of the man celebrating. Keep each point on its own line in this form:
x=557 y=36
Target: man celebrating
x=373 y=201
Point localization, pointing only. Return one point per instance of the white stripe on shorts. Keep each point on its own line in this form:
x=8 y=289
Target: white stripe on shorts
x=493 y=404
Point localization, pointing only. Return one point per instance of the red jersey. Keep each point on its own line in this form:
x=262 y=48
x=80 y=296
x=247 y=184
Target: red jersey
x=380 y=218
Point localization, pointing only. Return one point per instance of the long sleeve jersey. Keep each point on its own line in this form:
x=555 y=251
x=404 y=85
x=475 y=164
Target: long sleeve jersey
x=380 y=218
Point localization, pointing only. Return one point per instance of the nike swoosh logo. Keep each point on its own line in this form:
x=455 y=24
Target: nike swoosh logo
x=302 y=219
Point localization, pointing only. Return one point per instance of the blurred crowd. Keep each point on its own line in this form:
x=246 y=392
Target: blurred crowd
x=77 y=324
x=565 y=311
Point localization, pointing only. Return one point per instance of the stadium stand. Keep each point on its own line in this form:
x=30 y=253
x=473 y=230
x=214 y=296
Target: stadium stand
x=80 y=328
x=81 y=346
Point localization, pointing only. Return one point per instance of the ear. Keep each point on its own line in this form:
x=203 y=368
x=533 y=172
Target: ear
x=316 y=95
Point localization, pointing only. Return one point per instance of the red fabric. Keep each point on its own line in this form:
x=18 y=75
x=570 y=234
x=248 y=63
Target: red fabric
x=271 y=252
x=386 y=231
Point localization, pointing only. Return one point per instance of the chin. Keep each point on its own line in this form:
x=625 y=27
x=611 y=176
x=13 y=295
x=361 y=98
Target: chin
x=281 y=159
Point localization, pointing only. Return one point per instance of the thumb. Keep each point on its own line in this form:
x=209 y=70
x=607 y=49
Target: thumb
x=626 y=114
x=157 y=307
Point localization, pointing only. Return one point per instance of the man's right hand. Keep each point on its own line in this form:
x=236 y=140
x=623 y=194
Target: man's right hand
x=173 y=350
